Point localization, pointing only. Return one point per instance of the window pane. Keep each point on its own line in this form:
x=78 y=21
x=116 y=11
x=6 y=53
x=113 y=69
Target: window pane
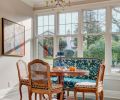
x=40 y=20
x=94 y=21
x=62 y=30
x=75 y=17
x=74 y=28
x=45 y=49
x=68 y=18
x=62 y=19
x=45 y=20
x=51 y=20
x=47 y=26
x=68 y=23
x=51 y=29
x=68 y=29
x=40 y=30
x=94 y=46
x=46 y=31
x=116 y=19
x=68 y=45
x=116 y=53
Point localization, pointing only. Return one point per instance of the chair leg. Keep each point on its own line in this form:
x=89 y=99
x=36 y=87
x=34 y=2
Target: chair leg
x=75 y=95
x=61 y=96
x=67 y=93
x=35 y=96
x=44 y=97
x=20 y=91
x=50 y=96
x=30 y=95
x=102 y=95
x=83 y=96
x=40 y=97
x=96 y=96
x=28 y=92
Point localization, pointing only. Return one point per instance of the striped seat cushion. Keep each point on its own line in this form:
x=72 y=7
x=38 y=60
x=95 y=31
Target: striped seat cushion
x=85 y=85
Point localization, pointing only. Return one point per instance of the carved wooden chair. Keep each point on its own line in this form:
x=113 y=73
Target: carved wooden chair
x=40 y=81
x=96 y=88
x=23 y=76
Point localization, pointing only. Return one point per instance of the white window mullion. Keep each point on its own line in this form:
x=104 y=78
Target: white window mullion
x=56 y=34
x=35 y=46
x=80 y=34
x=108 y=44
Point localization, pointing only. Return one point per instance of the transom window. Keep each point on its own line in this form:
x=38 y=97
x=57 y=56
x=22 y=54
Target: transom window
x=94 y=21
x=46 y=25
x=68 y=23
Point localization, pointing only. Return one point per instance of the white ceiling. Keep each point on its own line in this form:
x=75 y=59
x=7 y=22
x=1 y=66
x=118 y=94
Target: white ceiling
x=40 y=3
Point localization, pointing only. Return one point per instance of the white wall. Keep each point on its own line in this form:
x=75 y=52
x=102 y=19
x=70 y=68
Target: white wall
x=16 y=11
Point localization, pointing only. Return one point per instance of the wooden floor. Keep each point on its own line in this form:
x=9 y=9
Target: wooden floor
x=13 y=94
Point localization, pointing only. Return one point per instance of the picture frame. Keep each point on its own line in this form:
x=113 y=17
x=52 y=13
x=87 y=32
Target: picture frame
x=13 y=38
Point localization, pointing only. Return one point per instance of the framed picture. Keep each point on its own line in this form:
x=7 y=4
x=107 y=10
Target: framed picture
x=13 y=38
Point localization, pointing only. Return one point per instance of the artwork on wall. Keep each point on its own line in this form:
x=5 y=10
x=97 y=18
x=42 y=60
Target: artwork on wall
x=13 y=38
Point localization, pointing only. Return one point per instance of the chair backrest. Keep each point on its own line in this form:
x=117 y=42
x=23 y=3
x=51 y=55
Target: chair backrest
x=39 y=74
x=100 y=75
x=22 y=69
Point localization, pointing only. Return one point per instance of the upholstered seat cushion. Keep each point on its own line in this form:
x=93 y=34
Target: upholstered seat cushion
x=70 y=82
x=85 y=85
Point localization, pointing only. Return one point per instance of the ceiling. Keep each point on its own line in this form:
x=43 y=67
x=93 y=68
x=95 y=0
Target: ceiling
x=41 y=4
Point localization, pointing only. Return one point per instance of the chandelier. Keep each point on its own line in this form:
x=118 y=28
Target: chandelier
x=57 y=3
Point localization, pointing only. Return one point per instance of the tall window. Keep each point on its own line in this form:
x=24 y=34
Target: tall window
x=46 y=25
x=68 y=23
x=116 y=39
x=93 y=41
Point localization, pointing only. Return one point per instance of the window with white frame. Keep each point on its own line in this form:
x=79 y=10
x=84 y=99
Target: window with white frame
x=45 y=37
x=68 y=23
x=68 y=45
x=46 y=25
x=116 y=39
x=68 y=28
x=67 y=38
x=93 y=40
x=94 y=21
